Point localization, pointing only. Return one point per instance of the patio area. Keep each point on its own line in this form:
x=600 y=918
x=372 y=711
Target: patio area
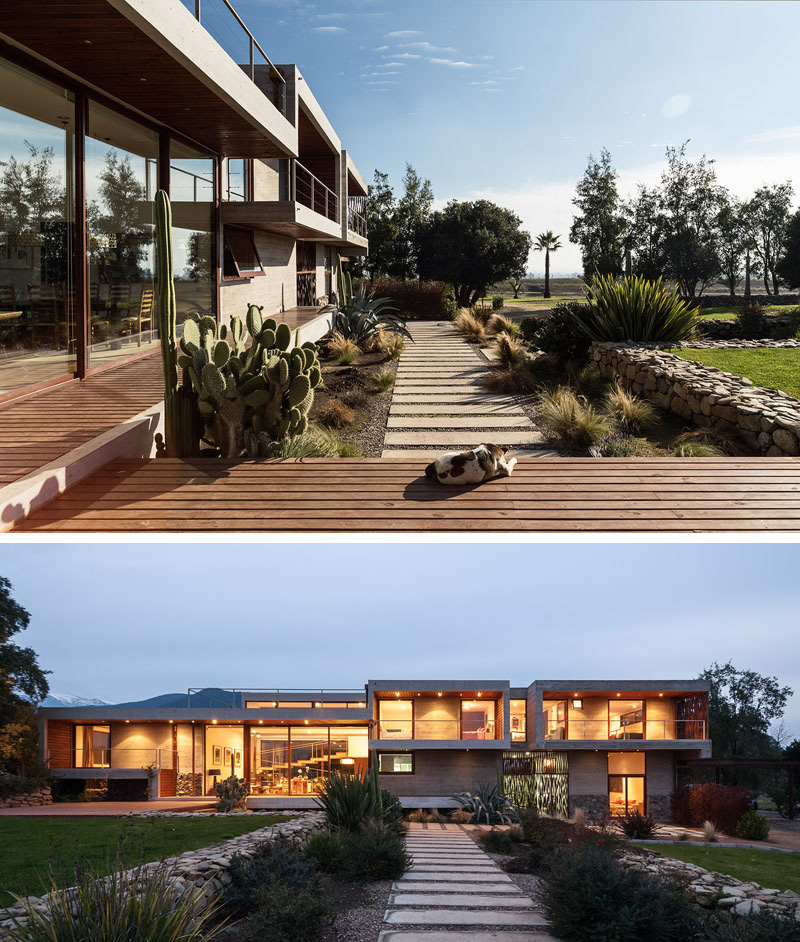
x=392 y=495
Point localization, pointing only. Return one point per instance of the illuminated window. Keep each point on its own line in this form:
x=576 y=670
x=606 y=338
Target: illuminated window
x=396 y=763
x=395 y=719
x=518 y=720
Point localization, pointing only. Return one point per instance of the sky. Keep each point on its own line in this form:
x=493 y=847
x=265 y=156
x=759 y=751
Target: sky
x=505 y=99
x=122 y=622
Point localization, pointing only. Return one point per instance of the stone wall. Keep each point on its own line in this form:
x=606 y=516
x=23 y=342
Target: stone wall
x=715 y=300
x=715 y=890
x=39 y=796
x=769 y=325
x=203 y=871
x=766 y=421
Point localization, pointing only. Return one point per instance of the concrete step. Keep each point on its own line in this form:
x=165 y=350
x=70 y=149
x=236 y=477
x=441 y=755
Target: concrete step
x=497 y=891
x=461 y=899
x=461 y=438
x=482 y=409
x=441 y=877
x=461 y=917
x=534 y=934
x=480 y=421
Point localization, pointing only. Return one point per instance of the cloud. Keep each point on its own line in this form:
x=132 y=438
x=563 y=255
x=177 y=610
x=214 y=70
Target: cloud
x=518 y=68
x=399 y=33
x=427 y=47
x=407 y=55
x=330 y=16
x=453 y=63
x=381 y=83
x=378 y=74
x=392 y=65
x=676 y=106
x=381 y=48
x=486 y=58
x=328 y=29
x=489 y=82
x=778 y=134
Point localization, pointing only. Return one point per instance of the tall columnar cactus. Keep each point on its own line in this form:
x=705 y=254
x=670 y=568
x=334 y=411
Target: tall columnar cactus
x=166 y=322
x=250 y=397
x=344 y=282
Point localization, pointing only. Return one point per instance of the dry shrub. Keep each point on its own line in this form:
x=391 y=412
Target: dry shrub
x=628 y=412
x=571 y=420
x=381 y=381
x=343 y=348
x=579 y=819
x=459 y=816
x=511 y=381
x=470 y=326
x=420 y=816
x=392 y=345
x=709 y=832
x=355 y=397
x=335 y=414
x=499 y=323
x=705 y=443
x=509 y=351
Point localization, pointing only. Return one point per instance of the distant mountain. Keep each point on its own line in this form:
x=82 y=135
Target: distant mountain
x=68 y=700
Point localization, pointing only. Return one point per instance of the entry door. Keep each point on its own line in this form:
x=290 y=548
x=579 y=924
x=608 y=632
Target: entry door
x=625 y=793
x=306 y=274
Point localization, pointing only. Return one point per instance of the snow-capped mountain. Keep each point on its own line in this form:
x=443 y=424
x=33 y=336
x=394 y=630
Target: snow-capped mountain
x=68 y=700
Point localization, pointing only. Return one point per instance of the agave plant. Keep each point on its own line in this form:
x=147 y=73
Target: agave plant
x=362 y=316
x=635 y=309
x=487 y=805
x=352 y=801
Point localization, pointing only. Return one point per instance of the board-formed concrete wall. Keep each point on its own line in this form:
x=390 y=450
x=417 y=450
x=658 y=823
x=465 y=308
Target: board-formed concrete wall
x=765 y=420
x=444 y=772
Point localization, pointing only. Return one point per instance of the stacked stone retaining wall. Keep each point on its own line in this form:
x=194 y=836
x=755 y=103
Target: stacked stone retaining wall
x=39 y=796
x=766 y=421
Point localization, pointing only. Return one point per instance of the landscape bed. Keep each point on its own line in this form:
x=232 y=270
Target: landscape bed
x=94 y=841
x=772 y=367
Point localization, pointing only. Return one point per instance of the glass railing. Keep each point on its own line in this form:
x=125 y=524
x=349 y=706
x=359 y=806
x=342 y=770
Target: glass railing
x=649 y=729
x=98 y=757
x=228 y=29
x=433 y=729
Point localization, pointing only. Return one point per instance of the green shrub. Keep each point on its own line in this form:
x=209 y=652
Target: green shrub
x=753 y=826
x=562 y=334
x=417 y=300
x=544 y=836
x=326 y=850
x=790 y=330
x=375 y=853
x=588 y=897
x=619 y=445
x=497 y=302
x=723 y=805
x=278 y=860
x=750 y=322
x=487 y=805
x=497 y=842
x=136 y=905
x=570 y=420
x=763 y=927
x=11 y=785
x=363 y=315
x=287 y=913
x=381 y=381
x=232 y=794
x=636 y=309
x=352 y=801
x=530 y=326
x=636 y=825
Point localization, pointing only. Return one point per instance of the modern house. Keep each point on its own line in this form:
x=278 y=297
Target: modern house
x=103 y=103
x=604 y=746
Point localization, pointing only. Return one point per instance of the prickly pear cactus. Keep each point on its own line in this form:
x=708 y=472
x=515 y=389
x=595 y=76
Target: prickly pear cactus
x=250 y=395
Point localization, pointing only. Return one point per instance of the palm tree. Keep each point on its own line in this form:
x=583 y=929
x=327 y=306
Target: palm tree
x=547 y=242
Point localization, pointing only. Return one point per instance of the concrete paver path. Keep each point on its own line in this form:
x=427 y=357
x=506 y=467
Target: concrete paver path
x=454 y=892
x=439 y=405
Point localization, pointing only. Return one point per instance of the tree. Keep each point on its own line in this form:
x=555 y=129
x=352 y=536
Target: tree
x=472 y=245
x=645 y=234
x=547 y=242
x=788 y=267
x=733 y=240
x=515 y=283
x=30 y=191
x=600 y=226
x=690 y=200
x=768 y=214
x=741 y=707
x=412 y=209
x=120 y=240
x=22 y=684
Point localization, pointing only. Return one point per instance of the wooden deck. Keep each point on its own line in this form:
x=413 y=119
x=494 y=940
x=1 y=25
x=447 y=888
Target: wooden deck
x=43 y=427
x=392 y=495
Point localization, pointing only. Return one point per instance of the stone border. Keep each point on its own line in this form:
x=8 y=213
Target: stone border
x=765 y=420
x=711 y=889
x=733 y=344
x=658 y=840
x=201 y=871
x=34 y=798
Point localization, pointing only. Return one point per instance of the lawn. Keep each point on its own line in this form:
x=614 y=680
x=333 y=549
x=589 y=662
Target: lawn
x=722 y=313
x=773 y=871
x=775 y=368
x=32 y=844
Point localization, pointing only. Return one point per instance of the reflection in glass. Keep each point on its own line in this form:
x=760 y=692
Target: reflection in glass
x=309 y=759
x=269 y=761
x=121 y=180
x=37 y=228
x=194 y=247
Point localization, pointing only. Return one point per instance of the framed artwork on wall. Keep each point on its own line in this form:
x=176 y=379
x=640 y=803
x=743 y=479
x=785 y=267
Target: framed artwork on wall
x=237 y=757
x=561 y=711
x=228 y=754
x=217 y=755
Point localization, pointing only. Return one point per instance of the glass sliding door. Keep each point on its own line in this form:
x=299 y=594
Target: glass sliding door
x=192 y=189
x=269 y=761
x=121 y=182
x=309 y=759
x=477 y=719
x=92 y=745
x=37 y=230
x=395 y=719
x=626 y=782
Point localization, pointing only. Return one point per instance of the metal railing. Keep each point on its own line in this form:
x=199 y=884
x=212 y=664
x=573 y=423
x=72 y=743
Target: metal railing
x=313 y=694
x=101 y=757
x=312 y=192
x=356 y=222
x=649 y=729
x=221 y=21
x=432 y=729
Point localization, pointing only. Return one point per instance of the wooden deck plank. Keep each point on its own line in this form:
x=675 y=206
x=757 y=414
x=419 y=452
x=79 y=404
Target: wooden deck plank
x=368 y=495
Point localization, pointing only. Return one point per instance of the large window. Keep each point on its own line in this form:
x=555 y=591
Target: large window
x=477 y=719
x=395 y=719
x=554 y=719
x=518 y=720
x=626 y=719
x=626 y=782
x=92 y=745
x=121 y=181
x=37 y=230
x=237 y=180
x=191 y=182
x=396 y=763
